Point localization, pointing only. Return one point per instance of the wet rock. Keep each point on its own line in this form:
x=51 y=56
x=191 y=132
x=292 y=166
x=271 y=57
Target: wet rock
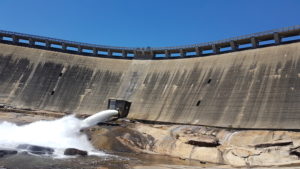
x=34 y=149
x=74 y=151
x=7 y=152
x=108 y=124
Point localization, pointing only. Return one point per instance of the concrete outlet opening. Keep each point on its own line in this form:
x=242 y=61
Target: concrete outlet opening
x=122 y=106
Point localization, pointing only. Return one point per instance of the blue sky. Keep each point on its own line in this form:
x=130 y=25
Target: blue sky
x=142 y=23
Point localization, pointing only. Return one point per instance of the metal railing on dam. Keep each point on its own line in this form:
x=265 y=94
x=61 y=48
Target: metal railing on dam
x=255 y=40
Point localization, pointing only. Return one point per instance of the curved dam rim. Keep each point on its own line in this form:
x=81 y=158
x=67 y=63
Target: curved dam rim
x=260 y=33
x=176 y=52
x=155 y=58
x=113 y=59
x=175 y=59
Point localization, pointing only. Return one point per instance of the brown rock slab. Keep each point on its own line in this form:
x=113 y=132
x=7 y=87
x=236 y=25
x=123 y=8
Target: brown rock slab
x=74 y=151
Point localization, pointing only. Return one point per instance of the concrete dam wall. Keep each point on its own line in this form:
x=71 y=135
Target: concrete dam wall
x=257 y=88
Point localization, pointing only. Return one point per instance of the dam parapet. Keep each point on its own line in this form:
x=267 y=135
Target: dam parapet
x=255 y=40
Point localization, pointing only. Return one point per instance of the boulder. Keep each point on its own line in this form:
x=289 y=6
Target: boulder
x=34 y=149
x=2 y=106
x=7 y=152
x=74 y=151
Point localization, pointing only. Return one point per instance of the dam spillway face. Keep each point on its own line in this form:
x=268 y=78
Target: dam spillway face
x=256 y=86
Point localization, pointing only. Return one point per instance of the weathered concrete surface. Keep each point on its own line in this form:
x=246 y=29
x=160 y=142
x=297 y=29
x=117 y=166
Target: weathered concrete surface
x=256 y=88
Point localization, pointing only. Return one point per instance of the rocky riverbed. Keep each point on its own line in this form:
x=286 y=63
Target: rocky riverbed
x=236 y=148
x=133 y=144
x=33 y=159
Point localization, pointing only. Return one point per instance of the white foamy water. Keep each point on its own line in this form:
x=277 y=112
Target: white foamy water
x=57 y=134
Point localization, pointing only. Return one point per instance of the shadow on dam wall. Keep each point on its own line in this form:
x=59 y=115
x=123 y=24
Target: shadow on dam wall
x=258 y=88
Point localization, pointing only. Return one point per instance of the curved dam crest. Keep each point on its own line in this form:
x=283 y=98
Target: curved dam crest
x=257 y=88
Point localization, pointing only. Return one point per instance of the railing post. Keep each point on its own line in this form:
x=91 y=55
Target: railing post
x=63 y=46
x=47 y=44
x=135 y=54
x=167 y=54
x=254 y=42
x=109 y=53
x=277 y=38
x=95 y=51
x=79 y=49
x=152 y=54
x=182 y=53
x=15 y=39
x=31 y=42
x=124 y=54
x=215 y=49
x=234 y=46
x=198 y=51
